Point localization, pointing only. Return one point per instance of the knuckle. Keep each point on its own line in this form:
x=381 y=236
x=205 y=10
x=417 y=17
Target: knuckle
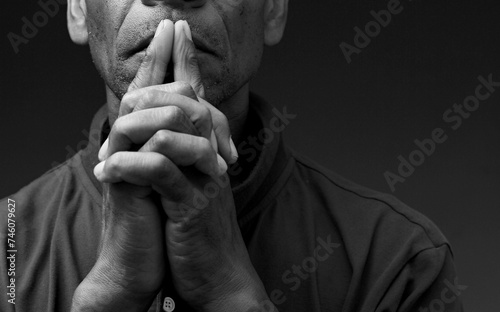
x=203 y=120
x=162 y=169
x=146 y=97
x=119 y=126
x=112 y=165
x=126 y=99
x=148 y=58
x=171 y=180
x=131 y=96
x=161 y=138
x=205 y=147
x=185 y=88
x=128 y=102
x=174 y=113
x=166 y=97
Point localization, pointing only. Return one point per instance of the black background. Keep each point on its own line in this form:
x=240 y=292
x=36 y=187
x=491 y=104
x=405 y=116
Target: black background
x=352 y=118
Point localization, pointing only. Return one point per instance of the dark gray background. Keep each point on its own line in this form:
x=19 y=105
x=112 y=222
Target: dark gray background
x=352 y=118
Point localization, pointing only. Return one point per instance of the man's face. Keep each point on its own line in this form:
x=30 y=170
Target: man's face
x=228 y=35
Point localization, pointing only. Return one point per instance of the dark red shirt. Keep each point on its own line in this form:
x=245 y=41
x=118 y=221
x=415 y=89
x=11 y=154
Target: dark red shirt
x=318 y=241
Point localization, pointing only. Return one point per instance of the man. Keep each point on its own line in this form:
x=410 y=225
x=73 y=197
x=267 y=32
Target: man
x=160 y=212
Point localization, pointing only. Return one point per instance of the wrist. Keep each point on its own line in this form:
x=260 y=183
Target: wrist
x=103 y=290
x=97 y=297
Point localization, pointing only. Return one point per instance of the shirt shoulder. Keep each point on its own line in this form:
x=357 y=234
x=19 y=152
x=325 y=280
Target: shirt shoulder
x=57 y=222
x=62 y=181
x=394 y=254
x=361 y=207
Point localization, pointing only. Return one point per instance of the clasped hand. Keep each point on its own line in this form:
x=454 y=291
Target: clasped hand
x=166 y=144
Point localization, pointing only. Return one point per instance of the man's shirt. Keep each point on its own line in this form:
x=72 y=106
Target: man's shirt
x=318 y=241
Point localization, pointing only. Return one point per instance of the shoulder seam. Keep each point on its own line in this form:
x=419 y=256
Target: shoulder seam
x=301 y=161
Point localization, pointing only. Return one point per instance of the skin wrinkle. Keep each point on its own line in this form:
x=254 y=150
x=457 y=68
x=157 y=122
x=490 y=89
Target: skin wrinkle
x=218 y=7
x=126 y=9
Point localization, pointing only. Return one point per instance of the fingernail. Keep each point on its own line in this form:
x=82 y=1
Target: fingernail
x=234 y=152
x=187 y=30
x=99 y=171
x=222 y=165
x=103 y=150
x=159 y=28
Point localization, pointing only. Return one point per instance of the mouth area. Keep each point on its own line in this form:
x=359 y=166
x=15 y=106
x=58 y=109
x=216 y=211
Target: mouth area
x=144 y=43
x=202 y=50
x=201 y=46
x=142 y=46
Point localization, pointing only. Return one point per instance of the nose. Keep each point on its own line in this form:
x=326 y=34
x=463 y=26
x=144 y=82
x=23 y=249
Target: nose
x=176 y=3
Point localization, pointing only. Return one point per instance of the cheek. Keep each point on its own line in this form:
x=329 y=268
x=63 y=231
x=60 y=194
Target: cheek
x=244 y=23
x=103 y=20
x=241 y=25
x=247 y=35
x=96 y=17
x=244 y=28
x=98 y=33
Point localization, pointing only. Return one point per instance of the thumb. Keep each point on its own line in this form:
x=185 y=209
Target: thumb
x=154 y=65
x=184 y=58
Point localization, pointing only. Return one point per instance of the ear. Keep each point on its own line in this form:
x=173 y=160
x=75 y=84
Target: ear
x=275 y=15
x=77 y=24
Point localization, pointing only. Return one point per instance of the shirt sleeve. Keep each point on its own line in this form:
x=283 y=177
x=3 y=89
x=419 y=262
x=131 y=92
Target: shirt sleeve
x=427 y=282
